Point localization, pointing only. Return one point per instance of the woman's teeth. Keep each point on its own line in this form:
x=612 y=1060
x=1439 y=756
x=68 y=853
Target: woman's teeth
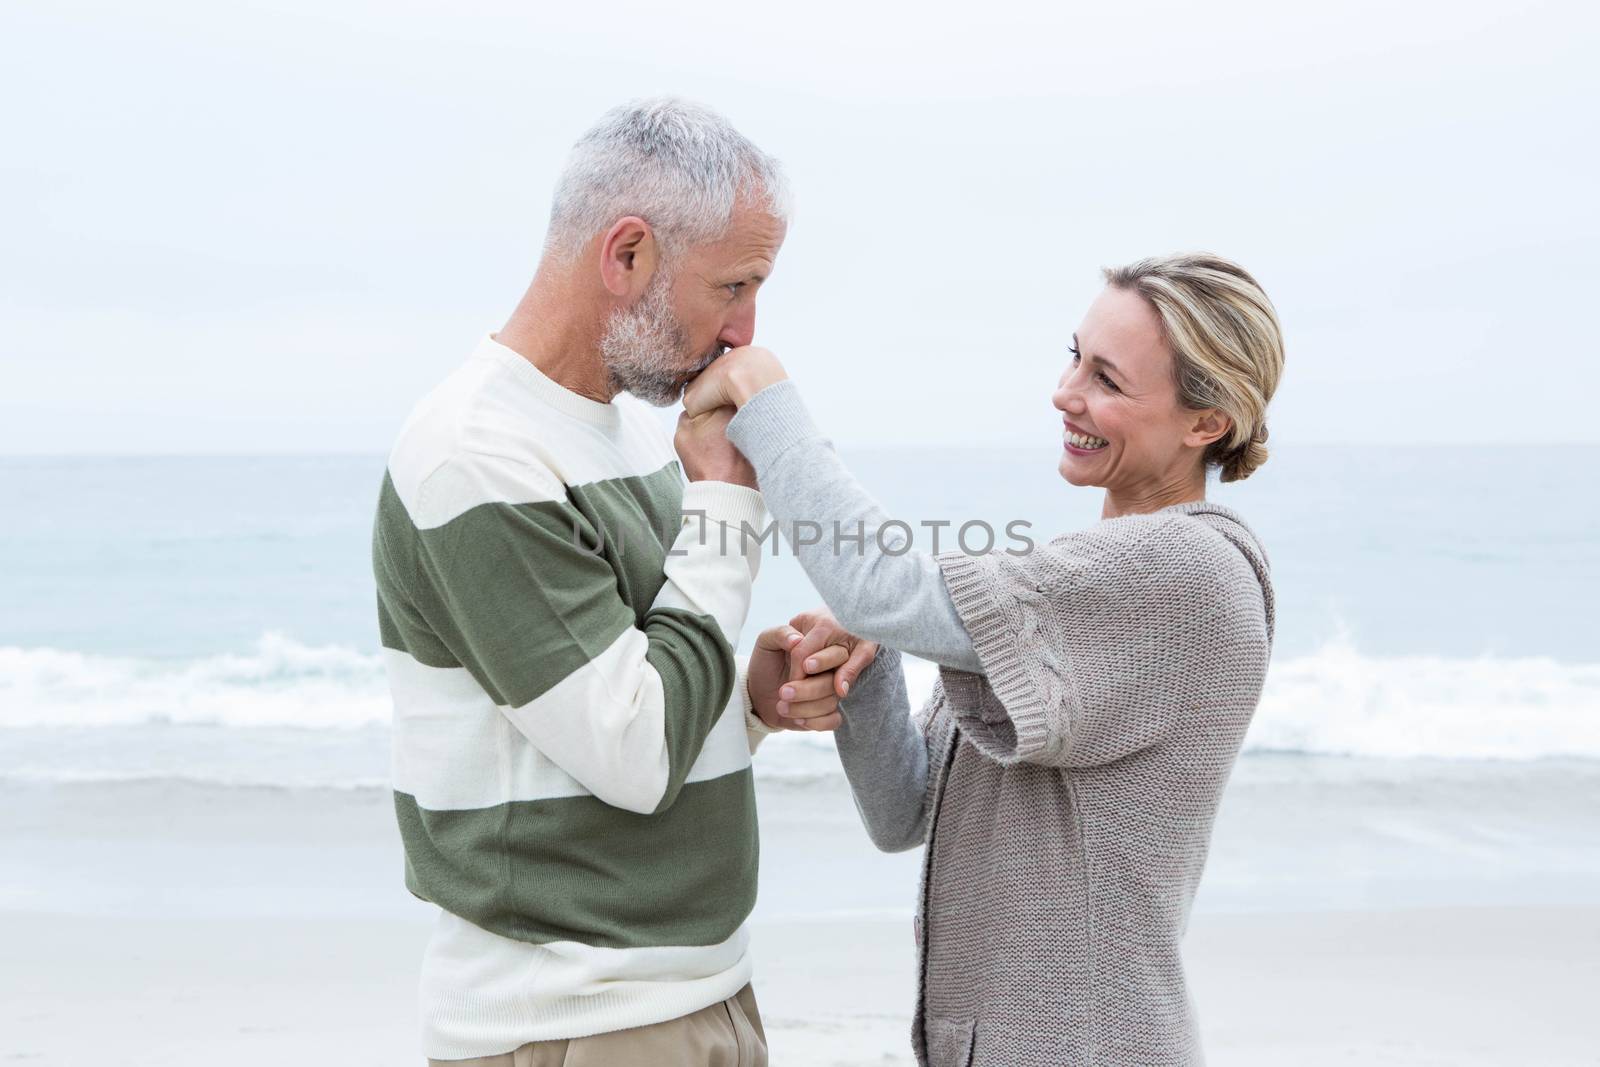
x=1085 y=441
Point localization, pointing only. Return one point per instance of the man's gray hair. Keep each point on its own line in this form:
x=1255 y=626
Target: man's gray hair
x=678 y=165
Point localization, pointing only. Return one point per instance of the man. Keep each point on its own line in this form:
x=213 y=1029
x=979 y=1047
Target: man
x=572 y=736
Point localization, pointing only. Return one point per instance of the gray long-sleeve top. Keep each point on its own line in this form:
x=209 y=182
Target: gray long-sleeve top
x=880 y=589
x=874 y=583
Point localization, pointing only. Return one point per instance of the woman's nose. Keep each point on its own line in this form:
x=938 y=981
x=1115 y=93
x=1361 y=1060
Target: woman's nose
x=1067 y=398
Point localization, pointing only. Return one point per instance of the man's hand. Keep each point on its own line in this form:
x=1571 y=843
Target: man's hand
x=822 y=635
x=770 y=677
x=784 y=701
x=799 y=672
x=731 y=379
x=707 y=454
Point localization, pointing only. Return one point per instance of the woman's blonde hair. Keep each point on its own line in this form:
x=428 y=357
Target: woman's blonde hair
x=1227 y=344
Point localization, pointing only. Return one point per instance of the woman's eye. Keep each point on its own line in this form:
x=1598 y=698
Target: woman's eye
x=1109 y=383
x=1074 y=352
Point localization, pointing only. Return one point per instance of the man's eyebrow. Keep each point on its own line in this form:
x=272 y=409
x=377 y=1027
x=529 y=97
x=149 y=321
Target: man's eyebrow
x=755 y=277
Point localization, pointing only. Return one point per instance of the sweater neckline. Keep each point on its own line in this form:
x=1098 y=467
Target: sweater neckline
x=1188 y=507
x=1196 y=508
x=547 y=389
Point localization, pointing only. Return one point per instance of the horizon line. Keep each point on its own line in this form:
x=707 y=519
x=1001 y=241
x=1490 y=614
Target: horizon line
x=845 y=446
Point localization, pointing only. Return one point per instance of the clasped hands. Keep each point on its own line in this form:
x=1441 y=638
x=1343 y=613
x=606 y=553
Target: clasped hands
x=798 y=672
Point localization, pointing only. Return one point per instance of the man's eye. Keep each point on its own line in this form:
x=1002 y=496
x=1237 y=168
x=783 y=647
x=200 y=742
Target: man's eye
x=733 y=289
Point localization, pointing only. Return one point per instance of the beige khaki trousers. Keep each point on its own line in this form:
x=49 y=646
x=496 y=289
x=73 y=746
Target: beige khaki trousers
x=726 y=1034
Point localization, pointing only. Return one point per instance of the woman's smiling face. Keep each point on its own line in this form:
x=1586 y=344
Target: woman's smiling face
x=1124 y=427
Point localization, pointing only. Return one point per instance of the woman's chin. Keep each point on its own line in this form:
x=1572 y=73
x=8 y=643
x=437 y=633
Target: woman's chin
x=1073 y=471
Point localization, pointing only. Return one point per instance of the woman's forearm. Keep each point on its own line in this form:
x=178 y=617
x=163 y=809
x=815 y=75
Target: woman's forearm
x=897 y=598
x=885 y=756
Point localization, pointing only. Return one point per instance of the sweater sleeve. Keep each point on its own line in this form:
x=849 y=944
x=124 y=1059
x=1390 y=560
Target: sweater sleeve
x=885 y=756
x=1087 y=642
x=877 y=587
x=520 y=597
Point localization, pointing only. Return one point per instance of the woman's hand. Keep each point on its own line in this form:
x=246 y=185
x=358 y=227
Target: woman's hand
x=798 y=672
x=823 y=634
x=811 y=703
x=732 y=379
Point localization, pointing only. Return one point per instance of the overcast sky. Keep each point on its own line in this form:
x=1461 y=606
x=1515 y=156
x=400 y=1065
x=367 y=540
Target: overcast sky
x=269 y=227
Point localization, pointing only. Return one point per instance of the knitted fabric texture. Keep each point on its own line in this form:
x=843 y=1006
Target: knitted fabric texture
x=1074 y=783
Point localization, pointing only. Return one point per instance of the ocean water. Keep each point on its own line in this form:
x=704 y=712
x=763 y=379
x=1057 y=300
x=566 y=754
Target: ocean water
x=210 y=620
x=1433 y=603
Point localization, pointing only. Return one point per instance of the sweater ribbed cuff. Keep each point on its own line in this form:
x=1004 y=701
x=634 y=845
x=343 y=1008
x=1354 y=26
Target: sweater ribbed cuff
x=770 y=423
x=725 y=502
x=973 y=591
x=866 y=692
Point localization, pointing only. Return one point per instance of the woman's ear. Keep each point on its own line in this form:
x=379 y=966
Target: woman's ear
x=1208 y=426
x=628 y=258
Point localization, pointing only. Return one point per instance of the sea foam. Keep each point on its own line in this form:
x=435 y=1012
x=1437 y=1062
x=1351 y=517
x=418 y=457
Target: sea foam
x=1335 y=701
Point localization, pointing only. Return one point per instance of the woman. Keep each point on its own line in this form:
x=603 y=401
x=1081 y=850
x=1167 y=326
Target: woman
x=1093 y=693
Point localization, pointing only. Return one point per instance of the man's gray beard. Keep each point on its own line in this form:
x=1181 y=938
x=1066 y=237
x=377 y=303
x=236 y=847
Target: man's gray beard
x=643 y=348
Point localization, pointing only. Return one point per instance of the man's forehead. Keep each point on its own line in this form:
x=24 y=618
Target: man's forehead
x=752 y=240
x=756 y=228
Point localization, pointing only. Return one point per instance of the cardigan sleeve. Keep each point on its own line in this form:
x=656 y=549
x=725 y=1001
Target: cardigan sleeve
x=1095 y=645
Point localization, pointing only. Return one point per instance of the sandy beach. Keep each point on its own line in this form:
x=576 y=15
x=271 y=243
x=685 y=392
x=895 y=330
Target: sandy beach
x=171 y=923
x=1446 y=987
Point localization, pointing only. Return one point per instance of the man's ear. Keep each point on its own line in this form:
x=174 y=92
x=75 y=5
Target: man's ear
x=628 y=258
x=1209 y=425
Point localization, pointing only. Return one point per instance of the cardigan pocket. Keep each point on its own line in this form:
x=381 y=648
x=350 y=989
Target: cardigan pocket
x=950 y=1042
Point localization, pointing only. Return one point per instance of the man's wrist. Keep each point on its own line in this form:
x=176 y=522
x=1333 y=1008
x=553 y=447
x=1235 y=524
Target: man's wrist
x=752 y=716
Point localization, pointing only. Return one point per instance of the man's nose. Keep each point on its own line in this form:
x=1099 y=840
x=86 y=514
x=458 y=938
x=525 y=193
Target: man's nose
x=740 y=328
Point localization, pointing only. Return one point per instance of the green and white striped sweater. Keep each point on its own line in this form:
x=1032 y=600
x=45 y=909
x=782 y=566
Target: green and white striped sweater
x=572 y=734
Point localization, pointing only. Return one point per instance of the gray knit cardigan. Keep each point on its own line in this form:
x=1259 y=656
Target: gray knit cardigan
x=1075 y=784
x=1066 y=792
